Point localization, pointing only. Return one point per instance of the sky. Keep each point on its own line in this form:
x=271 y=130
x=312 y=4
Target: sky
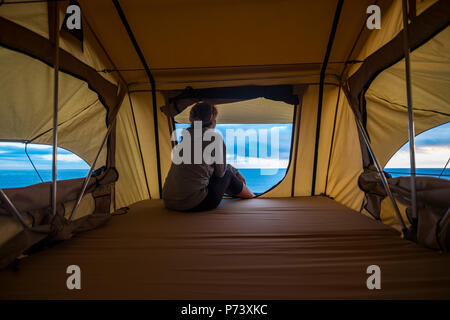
x=241 y=159
x=13 y=157
x=432 y=151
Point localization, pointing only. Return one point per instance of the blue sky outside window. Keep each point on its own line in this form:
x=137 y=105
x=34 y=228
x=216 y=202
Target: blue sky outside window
x=432 y=153
x=16 y=169
x=260 y=173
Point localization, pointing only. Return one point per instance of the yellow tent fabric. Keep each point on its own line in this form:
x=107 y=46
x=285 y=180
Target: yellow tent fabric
x=27 y=104
x=223 y=43
x=244 y=112
x=32 y=16
x=430 y=69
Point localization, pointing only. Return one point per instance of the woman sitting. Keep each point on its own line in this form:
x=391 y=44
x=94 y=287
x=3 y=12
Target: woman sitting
x=198 y=185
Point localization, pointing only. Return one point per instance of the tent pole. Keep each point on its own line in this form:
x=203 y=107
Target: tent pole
x=13 y=209
x=411 y=131
x=105 y=139
x=91 y=169
x=382 y=176
x=55 y=110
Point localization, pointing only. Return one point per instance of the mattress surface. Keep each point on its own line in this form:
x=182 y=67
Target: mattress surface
x=286 y=248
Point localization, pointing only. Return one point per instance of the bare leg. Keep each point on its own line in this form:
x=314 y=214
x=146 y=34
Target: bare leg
x=235 y=184
x=244 y=194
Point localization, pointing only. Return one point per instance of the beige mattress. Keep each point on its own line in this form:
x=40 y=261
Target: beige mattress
x=289 y=248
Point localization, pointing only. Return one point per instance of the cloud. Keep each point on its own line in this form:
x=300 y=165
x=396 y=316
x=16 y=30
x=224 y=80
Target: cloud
x=438 y=136
x=432 y=150
x=268 y=163
x=426 y=157
x=282 y=127
x=62 y=158
x=13 y=157
x=17 y=150
x=39 y=147
x=437 y=142
x=14 y=164
x=14 y=145
x=257 y=163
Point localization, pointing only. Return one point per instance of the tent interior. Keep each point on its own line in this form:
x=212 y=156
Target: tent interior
x=117 y=86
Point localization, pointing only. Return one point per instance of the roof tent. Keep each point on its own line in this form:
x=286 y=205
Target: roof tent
x=111 y=89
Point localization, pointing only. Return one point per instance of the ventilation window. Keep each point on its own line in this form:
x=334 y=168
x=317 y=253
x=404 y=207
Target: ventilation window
x=432 y=155
x=259 y=150
x=21 y=167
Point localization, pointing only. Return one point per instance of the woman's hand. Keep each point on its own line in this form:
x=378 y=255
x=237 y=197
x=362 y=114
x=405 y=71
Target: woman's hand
x=239 y=175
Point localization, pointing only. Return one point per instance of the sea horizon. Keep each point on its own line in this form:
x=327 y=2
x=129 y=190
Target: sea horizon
x=256 y=181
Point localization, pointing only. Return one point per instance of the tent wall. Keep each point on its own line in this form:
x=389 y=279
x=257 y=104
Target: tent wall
x=142 y=104
x=380 y=81
x=307 y=139
x=422 y=28
x=391 y=25
x=136 y=136
x=27 y=97
x=345 y=164
x=86 y=105
x=387 y=118
x=131 y=185
x=33 y=16
x=345 y=159
x=306 y=142
x=87 y=100
x=430 y=89
x=330 y=96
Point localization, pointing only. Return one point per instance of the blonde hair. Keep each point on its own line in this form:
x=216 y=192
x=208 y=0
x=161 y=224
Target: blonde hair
x=203 y=112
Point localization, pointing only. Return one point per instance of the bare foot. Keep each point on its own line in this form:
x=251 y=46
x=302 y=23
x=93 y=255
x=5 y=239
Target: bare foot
x=245 y=193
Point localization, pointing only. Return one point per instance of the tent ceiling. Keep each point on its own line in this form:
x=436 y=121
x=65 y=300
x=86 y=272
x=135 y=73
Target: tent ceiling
x=258 y=110
x=189 y=39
